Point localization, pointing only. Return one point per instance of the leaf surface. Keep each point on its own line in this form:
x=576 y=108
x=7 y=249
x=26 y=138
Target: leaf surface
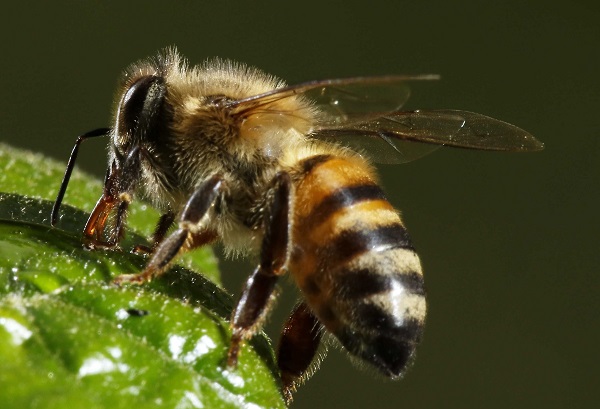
x=70 y=338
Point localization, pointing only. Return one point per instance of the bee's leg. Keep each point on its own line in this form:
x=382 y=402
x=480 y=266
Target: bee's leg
x=298 y=347
x=258 y=291
x=188 y=235
x=119 y=231
x=164 y=222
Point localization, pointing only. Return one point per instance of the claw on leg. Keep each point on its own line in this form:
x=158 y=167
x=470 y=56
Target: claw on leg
x=137 y=279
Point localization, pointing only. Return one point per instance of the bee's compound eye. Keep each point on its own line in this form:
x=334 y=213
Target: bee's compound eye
x=140 y=104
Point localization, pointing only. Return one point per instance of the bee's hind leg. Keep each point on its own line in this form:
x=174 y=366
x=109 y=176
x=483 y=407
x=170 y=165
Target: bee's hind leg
x=259 y=289
x=298 y=346
x=187 y=236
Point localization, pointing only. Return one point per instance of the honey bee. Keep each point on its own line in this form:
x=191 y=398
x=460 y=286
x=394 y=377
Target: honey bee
x=280 y=172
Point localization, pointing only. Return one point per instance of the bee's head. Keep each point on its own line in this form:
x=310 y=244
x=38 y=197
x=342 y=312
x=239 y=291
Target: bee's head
x=135 y=146
x=135 y=134
x=133 y=139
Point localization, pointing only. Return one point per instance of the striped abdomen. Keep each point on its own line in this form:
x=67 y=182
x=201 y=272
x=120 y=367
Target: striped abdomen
x=354 y=262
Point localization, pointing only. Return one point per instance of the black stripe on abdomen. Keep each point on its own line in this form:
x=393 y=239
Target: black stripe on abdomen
x=371 y=317
x=352 y=243
x=342 y=198
x=363 y=283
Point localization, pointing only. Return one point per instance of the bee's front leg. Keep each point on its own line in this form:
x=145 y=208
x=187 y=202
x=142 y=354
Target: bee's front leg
x=164 y=222
x=188 y=235
x=254 y=302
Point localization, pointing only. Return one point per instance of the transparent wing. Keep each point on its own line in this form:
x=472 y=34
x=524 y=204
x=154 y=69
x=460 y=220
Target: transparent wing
x=386 y=137
x=363 y=113
x=340 y=101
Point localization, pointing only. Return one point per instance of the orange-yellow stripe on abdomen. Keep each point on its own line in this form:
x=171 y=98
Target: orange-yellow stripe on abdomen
x=354 y=262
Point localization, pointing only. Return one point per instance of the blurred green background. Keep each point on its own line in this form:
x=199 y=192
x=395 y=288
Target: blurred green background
x=509 y=242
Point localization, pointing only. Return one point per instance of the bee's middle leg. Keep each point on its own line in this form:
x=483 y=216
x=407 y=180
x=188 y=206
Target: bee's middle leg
x=258 y=291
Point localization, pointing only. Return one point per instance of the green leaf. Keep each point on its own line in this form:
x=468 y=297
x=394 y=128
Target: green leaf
x=36 y=177
x=69 y=338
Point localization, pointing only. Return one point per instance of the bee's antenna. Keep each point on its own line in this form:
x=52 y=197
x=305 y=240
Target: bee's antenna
x=69 y=170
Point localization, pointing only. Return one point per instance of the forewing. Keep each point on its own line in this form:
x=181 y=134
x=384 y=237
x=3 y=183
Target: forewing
x=339 y=102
